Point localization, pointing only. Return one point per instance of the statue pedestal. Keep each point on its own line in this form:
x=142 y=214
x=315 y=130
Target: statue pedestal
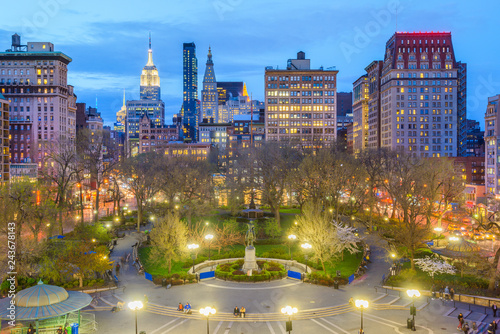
x=250 y=259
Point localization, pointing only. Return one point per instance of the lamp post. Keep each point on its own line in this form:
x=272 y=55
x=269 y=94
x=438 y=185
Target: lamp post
x=291 y=239
x=192 y=248
x=413 y=311
x=289 y=311
x=306 y=247
x=361 y=304
x=209 y=237
x=207 y=312
x=135 y=306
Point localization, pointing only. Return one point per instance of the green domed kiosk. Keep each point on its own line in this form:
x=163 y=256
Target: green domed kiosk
x=43 y=302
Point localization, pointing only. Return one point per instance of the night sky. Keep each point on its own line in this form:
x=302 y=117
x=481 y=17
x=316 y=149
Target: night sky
x=108 y=40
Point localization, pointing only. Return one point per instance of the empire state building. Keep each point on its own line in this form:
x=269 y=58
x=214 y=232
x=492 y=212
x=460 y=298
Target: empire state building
x=150 y=80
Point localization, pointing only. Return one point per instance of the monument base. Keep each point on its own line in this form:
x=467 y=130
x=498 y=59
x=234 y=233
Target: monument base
x=250 y=259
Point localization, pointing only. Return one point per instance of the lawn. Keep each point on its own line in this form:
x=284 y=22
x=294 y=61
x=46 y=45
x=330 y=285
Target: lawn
x=347 y=267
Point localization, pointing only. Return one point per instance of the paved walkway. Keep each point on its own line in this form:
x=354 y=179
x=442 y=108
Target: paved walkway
x=322 y=309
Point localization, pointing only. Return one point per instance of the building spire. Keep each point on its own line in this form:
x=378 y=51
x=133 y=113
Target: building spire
x=150 y=53
x=124 y=103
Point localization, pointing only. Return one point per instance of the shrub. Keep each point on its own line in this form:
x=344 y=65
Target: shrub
x=238 y=272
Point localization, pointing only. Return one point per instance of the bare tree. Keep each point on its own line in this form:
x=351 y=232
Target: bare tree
x=141 y=174
x=275 y=163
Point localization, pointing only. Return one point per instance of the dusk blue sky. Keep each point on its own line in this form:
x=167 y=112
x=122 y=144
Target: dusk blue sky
x=108 y=40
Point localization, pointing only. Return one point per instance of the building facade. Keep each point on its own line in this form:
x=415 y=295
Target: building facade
x=344 y=103
x=360 y=115
x=5 y=154
x=475 y=139
x=190 y=91
x=238 y=106
x=420 y=89
x=209 y=95
x=34 y=78
x=150 y=80
x=300 y=103
x=153 y=137
x=492 y=145
x=374 y=74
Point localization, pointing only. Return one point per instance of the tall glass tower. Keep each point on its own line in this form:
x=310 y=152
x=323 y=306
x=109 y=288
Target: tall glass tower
x=190 y=91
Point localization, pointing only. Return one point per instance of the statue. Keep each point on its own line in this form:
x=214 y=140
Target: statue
x=250 y=235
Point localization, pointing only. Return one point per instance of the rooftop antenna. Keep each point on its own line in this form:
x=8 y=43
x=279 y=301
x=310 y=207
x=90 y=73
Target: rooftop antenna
x=150 y=40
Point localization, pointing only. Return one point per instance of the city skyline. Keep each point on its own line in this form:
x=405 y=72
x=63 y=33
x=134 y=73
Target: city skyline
x=109 y=50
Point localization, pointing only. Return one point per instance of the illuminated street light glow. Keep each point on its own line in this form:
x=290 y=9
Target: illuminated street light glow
x=288 y=310
x=209 y=237
x=306 y=246
x=413 y=293
x=136 y=305
x=360 y=303
x=208 y=311
x=292 y=237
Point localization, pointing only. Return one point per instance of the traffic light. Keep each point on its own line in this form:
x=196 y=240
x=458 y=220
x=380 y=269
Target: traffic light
x=289 y=326
x=413 y=310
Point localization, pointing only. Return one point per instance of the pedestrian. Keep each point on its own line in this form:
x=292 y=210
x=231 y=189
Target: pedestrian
x=441 y=292
x=466 y=328
x=128 y=258
x=236 y=311
x=187 y=308
x=117 y=269
x=59 y=330
x=492 y=327
x=446 y=292
x=460 y=320
x=242 y=311
x=474 y=328
x=351 y=301
x=31 y=330
x=433 y=291
x=494 y=308
x=452 y=293
x=180 y=307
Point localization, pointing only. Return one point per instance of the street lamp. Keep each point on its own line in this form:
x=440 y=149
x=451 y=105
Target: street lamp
x=306 y=248
x=361 y=304
x=292 y=238
x=209 y=237
x=413 y=311
x=289 y=311
x=192 y=248
x=207 y=312
x=135 y=306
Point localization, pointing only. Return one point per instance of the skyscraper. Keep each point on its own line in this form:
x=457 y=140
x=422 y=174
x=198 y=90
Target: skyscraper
x=150 y=104
x=190 y=91
x=150 y=80
x=360 y=114
x=300 y=103
x=209 y=94
x=43 y=106
x=491 y=142
x=422 y=109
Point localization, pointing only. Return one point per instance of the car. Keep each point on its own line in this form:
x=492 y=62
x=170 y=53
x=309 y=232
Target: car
x=453 y=227
x=489 y=236
x=478 y=236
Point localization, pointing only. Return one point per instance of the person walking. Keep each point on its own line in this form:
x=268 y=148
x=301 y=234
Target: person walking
x=474 y=328
x=494 y=308
x=460 y=320
x=31 y=330
x=466 y=328
x=452 y=293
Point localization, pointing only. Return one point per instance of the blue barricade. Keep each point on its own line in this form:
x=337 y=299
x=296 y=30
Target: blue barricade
x=351 y=278
x=208 y=274
x=294 y=274
x=148 y=276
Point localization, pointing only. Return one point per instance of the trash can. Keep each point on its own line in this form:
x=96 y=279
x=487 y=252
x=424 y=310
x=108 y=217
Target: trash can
x=335 y=284
x=74 y=328
x=409 y=323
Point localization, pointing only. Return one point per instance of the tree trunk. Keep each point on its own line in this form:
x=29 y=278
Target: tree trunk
x=322 y=264
x=169 y=265
x=97 y=195
x=277 y=216
x=81 y=200
x=412 y=259
x=80 y=279
x=139 y=215
x=61 y=221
